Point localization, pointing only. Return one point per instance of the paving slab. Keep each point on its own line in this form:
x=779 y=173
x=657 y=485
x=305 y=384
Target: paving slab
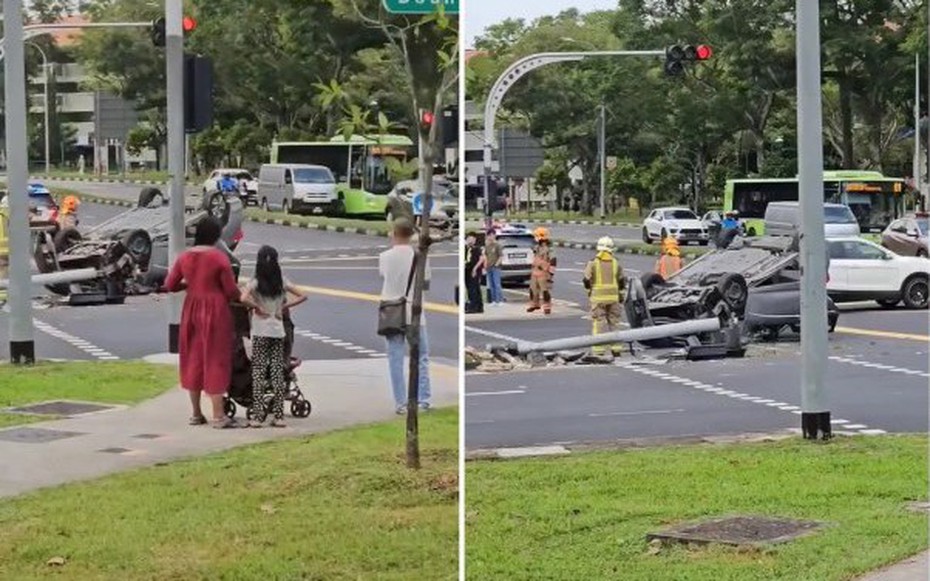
x=344 y=393
x=916 y=568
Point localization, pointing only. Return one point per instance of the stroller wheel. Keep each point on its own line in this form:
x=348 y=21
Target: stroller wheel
x=248 y=414
x=229 y=408
x=301 y=408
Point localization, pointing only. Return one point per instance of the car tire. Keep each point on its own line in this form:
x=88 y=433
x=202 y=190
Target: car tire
x=652 y=283
x=769 y=334
x=67 y=238
x=915 y=292
x=339 y=208
x=888 y=303
x=646 y=238
x=148 y=196
x=922 y=252
x=138 y=244
x=734 y=292
x=218 y=207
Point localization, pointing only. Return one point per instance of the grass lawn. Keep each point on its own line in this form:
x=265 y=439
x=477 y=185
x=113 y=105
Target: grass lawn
x=120 y=382
x=378 y=225
x=585 y=516
x=331 y=507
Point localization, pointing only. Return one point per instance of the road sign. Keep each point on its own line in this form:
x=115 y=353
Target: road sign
x=418 y=204
x=611 y=162
x=520 y=154
x=420 y=6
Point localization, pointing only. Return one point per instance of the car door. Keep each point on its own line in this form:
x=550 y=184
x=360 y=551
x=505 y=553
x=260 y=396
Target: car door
x=894 y=237
x=870 y=268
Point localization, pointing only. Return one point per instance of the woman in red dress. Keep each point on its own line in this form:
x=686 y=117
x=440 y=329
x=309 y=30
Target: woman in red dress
x=207 y=333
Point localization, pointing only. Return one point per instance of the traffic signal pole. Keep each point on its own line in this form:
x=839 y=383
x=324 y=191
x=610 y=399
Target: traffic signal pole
x=21 y=332
x=174 y=59
x=602 y=154
x=815 y=414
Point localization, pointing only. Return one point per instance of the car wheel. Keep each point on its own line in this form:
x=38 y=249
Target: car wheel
x=139 y=245
x=734 y=291
x=652 y=283
x=67 y=238
x=151 y=197
x=915 y=292
x=339 y=208
x=752 y=232
x=769 y=334
x=218 y=206
x=922 y=252
x=646 y=238
x=888 y=303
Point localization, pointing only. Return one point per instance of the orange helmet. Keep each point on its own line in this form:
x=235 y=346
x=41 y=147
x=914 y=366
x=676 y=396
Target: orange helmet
x=70 y=204
x=541 y=234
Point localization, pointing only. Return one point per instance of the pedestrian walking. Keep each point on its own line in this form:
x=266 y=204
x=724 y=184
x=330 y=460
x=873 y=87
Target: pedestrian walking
x=605 y=283
x=267 y=295
x=397 y=267
x=206 y=334
x=473 y=257
x=670 y=260
x=543 y=273
x=493 y=256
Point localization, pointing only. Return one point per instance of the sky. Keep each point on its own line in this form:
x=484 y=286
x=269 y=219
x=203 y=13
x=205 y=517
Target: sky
x=479 y=14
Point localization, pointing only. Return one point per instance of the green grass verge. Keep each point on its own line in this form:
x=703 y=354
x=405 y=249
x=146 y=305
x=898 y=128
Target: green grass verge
x=147 y=176
x=119 y=382
x=619 y=217
x=585 y=516
x=336 y=506
x=376 y=225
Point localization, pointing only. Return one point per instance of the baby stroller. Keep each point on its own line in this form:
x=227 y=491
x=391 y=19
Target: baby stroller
x=240 y=388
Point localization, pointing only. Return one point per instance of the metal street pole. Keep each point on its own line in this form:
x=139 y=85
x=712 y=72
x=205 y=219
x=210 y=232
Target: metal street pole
x=917 y=157
x=174 y=59
x=815 y=415
x=925 y=191
x=22 y=342
x=47 y=105
x=602 y=153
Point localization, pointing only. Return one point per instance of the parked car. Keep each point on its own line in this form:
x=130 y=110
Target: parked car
x=517 y=245
x=861 y=270
x=784 y=219
x=908 y=236
x=445 y=199
x=247 y=183
x=42 y=202
x=679 y=223
x=299 y=188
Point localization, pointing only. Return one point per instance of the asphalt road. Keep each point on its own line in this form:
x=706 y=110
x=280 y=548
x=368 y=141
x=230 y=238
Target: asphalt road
x=877 y=380
x=339 y=270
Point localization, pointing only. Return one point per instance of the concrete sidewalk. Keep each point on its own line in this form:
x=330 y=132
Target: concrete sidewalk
x=916 y=568
x=343 y=393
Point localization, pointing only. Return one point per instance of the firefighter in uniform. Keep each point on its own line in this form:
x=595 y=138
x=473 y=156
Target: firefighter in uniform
x=670 y=261
x=543 y=272
x=605 y=283
x=67 y=217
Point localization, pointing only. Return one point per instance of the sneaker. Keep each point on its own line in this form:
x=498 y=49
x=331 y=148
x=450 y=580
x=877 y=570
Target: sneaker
x=401 y=410
x=278 y=423
x=256 y=424
x=424 y=406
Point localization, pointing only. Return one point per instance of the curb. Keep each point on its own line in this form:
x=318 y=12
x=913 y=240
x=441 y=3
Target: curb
x=105 y=181
x=622 y=250
x=575 y=222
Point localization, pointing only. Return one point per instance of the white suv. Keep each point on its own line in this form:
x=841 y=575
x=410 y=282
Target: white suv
x=864 y=271
x=680 y=223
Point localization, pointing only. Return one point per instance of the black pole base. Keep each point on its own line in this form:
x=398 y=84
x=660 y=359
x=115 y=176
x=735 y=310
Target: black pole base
x=816 y=426
x=174 y=342
x=22 y=352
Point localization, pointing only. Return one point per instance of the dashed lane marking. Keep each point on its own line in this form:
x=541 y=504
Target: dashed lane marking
x=492 y=393
x=780 y=405
x=76 y=342
x=360 y=350
x=880 y=366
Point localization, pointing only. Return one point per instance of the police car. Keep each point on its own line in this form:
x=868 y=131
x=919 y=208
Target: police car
x=517 y=243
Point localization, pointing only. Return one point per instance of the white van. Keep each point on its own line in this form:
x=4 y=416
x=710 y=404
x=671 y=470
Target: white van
x=298 y=188
x=784 y=219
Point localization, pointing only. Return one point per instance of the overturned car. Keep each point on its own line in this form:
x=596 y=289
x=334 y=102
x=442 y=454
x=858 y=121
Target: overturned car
x=756 y=285
x=129 y=252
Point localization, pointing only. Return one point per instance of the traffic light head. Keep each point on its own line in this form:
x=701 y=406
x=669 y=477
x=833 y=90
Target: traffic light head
x=676 y=56
x=426 y=119
x=158 y=32
x=189 y=24
x=703 y=52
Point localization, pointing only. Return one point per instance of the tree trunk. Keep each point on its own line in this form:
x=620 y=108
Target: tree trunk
x=846 y=115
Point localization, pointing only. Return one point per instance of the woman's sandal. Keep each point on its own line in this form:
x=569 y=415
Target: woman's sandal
x=225 y=424
x=197 y=421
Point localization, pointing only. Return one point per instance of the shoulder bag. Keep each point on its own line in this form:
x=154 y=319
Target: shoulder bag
x=392 y=314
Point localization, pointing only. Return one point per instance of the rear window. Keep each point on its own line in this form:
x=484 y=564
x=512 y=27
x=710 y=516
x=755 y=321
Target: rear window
x=313 y=175
x=680 y=215
x=517 y=241
x=838 y=215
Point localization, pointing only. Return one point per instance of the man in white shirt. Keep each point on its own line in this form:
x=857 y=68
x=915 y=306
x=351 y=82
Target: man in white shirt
x=395 y=266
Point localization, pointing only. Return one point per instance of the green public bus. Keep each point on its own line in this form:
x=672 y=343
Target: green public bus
x=874 y=199
x=362 y=177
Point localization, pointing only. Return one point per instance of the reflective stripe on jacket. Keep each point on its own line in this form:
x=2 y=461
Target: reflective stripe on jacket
x=605 y=290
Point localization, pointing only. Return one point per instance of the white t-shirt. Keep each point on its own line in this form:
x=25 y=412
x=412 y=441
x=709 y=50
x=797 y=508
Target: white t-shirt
x=394 y=266
x=272 y=326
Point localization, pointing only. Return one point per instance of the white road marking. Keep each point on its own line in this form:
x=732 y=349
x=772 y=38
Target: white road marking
x=76 y=342
x=880 y=366
x=642 y=413
x=356 y=349
x=491 y=334
x=485 y=393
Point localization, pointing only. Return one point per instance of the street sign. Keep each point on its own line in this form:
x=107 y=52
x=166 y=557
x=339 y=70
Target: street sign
x=611 y=162
x=420 y=6
x=520 y=154
x=418 y=200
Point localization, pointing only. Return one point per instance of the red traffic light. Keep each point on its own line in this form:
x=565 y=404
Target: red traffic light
x=189 y=24
x=427 y=118
x=703 y=52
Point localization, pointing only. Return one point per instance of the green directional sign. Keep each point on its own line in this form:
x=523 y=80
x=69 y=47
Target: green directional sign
x=420 y=6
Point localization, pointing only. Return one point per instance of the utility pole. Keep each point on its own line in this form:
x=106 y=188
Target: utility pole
x=815 y=415
x=917 y=155
x=22 y=342
x=174 y=59
x=602 y=153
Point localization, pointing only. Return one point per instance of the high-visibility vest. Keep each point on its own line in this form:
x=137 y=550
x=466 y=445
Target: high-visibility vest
x=668 y=265
x=605 y=289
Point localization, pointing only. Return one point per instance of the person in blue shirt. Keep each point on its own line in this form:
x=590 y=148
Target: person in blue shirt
x=730 y=221
x=228 y=185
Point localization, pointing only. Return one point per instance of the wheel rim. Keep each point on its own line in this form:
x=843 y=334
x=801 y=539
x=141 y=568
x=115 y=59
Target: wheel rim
x=917 y=293
x=216 y=206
